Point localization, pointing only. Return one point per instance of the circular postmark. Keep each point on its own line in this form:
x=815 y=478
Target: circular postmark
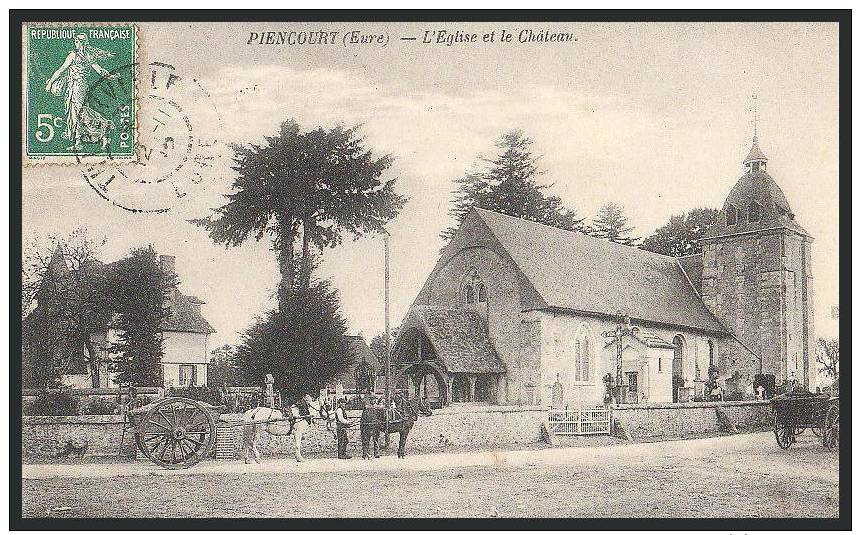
x=174 y=126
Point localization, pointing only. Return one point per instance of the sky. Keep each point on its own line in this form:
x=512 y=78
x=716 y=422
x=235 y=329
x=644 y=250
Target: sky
x=655 y=117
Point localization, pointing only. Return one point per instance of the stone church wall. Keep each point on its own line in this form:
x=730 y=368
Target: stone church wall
x=509 y=330
x=756 y=286
x=559 y=332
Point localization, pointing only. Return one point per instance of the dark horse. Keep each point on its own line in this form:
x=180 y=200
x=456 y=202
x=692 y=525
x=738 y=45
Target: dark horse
x=401 y=420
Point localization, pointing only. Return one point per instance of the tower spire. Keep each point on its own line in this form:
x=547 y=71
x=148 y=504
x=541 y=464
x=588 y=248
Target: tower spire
x=754 y=118
x=755 y=160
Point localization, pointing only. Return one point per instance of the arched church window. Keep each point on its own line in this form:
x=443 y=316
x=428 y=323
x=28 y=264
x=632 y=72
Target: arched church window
x=469 y=294
x=731 y=215
x=754 y=213
x=583 y=356
x=474 y=290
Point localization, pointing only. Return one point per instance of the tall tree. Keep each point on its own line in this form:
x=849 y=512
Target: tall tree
x=681 y=235
x=303 y=347
x=142 y=293
x=612 y=225
x=221 y=370
x=68 y=282
x=506 y=184
x=323 y=182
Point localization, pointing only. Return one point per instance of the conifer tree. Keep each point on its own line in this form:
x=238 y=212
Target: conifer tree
x=612 y=225
x=506 y=184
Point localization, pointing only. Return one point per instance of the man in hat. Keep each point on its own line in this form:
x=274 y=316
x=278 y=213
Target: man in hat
x=342 y=422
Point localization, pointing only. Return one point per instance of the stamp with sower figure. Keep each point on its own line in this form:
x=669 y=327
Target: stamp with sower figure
x=63 y=118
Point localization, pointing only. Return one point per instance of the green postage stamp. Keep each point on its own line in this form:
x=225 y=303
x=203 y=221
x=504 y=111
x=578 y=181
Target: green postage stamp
x=80 y=93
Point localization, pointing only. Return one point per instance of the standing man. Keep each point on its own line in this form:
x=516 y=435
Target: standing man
x=341 y=425
x=302 y=424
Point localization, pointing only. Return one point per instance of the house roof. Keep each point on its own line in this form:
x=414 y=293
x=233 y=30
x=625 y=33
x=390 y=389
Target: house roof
x=652 y=340
x=458 y=336
x=185 y=317
x=573 y=271
x=646 y=338
x=359 y=350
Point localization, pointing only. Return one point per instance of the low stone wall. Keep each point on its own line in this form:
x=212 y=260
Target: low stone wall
x=47 y=436
x=459 y=425
x=680 y=420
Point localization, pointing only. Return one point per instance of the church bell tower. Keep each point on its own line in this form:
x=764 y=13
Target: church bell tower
x=757 y=280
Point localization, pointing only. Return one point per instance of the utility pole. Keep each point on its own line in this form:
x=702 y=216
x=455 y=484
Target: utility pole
x=388 y=340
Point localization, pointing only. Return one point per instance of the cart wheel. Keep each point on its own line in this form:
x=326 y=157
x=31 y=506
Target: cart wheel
x=784 y=434
x=176 y=433
x=818 y=431
x=799 y=431
x=831 y=432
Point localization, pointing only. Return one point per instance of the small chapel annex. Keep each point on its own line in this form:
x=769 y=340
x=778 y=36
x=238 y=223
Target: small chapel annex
x=513 y=308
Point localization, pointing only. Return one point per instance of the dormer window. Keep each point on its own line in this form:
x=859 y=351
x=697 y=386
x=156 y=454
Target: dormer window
x=731 y=215
x=754 y=212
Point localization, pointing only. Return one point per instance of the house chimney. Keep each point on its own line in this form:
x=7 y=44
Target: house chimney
x=167 y=264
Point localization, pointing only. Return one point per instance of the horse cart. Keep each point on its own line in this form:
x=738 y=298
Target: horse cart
x=794 y=412
x=178 y=432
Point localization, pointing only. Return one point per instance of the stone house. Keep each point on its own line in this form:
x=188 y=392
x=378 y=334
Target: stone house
x=516 y=312
x=185 y=336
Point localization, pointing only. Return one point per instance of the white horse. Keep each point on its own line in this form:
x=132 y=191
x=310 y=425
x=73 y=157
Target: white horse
x=298 y=426
x=251 y=430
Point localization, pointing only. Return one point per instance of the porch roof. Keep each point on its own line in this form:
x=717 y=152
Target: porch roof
x=458 y=336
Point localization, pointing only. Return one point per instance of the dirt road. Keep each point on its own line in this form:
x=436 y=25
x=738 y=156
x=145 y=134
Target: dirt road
x=738 y=476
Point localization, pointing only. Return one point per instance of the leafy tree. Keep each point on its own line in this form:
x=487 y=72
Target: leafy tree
x=44 y=349
x=324 y=182
x=612 y=225
x=828 y=358
x=302 y=346
x=506 y=184
x=681 y=235
x=68 y=284
x=139 y=289
x=221 y=370
x=76 y=297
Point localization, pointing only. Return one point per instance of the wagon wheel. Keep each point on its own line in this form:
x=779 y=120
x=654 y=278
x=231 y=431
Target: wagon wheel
x=799 y=431
x=176 y=433
x=831 y=431
x=818 y=431
x=784 y=434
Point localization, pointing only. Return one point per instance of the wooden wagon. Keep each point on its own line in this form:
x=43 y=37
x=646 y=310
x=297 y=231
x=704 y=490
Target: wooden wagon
x=794 y=412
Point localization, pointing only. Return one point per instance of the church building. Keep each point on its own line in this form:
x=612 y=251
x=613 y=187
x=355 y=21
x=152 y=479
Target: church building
x=520 y=313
